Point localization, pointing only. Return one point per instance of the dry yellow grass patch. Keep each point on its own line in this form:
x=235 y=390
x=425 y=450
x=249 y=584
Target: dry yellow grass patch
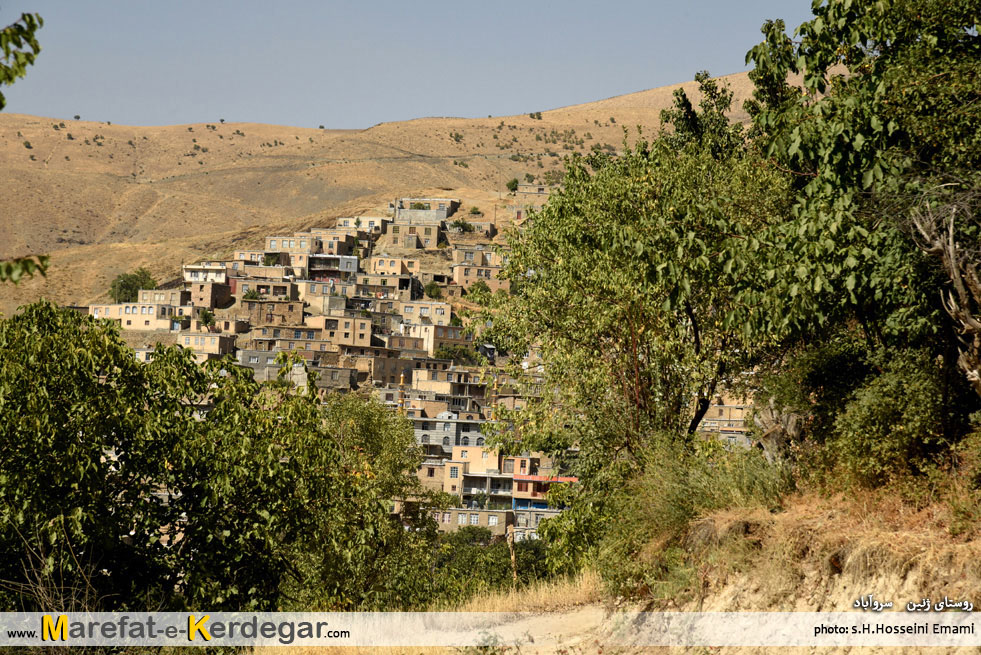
x=562 y=595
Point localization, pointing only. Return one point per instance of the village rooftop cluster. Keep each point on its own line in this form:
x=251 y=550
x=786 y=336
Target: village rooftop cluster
x=373 y=304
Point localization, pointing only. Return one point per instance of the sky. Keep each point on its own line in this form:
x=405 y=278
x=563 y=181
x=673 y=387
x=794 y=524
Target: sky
x=355 y=64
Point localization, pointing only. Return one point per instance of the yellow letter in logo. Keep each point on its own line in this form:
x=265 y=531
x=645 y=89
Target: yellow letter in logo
x=50 y=630
x=197 y=626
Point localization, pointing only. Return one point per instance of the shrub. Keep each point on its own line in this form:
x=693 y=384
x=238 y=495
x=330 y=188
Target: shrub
x=475 y=211
x=512 y=184
x=893 y=423
x=251 y=294
x=479 y=292
x=642 y=548
x=126 y=287
x=433 y=290
x=27 y=144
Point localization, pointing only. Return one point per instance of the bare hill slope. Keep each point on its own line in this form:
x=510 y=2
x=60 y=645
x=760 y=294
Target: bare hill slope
x=103 y=199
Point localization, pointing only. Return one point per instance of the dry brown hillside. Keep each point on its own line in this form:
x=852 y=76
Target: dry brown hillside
x=104 y=199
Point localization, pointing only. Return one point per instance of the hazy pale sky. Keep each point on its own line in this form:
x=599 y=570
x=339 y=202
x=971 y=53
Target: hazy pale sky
x=355 y=64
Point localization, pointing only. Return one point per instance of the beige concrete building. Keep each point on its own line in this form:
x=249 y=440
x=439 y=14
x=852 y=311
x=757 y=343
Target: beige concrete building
x=432 y=312
x=382 y=265
x=144 y=316
x=207 y=346
x=436 y=336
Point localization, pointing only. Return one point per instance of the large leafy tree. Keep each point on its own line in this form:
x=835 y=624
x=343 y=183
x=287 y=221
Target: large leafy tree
x=881 y=139
x=626 y=288
x=164 y=485
x=126 y=287
x=887 y=111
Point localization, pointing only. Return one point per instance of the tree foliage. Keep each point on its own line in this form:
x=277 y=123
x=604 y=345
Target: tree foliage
x=433 y=290
x=19 y=48
x=808 y=251
x=167 y=485
x=126 y=287
x=15 y=269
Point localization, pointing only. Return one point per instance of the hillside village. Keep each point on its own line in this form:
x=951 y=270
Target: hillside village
x=377 y=304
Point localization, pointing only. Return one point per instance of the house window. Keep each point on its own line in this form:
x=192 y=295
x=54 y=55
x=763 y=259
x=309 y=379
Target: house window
x=146 y=322
x=272 y=244
x=461 y=519
x=522 y=486
x=395 y=229
x=446 y=517
x=474 y=519
x=430 y=472
x=454 y=472
x=492 y=520
x=464 y=454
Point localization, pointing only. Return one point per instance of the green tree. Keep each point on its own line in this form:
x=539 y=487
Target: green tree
x=884 y=162
x=19 y=46
x=512 y=184
x=479 y=292
x=461 y=355
x=432 y=290
x=126 y=287
x=626 y=289
x=166 y=485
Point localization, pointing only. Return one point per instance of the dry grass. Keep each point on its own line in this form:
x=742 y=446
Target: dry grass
x=562 y=594
x=821 y=553
x=557 y=596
